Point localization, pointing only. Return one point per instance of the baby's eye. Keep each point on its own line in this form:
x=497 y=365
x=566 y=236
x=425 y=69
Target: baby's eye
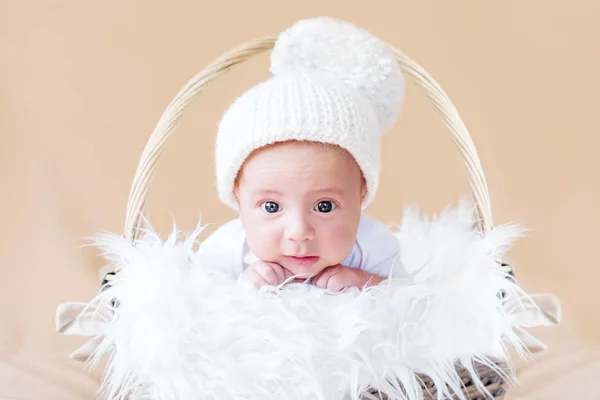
x=271 y=207
x=325 y=206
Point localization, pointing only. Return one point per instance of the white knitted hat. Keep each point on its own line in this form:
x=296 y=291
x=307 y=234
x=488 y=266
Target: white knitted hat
x=333 y=83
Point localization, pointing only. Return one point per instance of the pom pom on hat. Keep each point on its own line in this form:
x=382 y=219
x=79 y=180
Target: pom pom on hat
x=332 y=83
x=351 y=54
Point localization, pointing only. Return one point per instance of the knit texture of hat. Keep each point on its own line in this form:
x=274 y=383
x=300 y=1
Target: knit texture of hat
x=332 y=83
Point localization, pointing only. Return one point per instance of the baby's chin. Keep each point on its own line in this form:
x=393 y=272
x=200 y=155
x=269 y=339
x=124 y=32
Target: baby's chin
x=305 y=268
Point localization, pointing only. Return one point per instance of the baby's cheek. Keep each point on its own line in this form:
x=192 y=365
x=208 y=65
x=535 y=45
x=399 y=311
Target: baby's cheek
x=262 y=242
x=340 y=241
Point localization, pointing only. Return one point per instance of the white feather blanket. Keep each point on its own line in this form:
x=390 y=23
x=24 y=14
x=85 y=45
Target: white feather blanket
x=181 y=331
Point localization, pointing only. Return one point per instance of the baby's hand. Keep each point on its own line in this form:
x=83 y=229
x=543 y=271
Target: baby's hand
x=338 y=277
x=262 y=273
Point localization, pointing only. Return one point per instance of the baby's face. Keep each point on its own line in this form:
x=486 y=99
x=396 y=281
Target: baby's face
x=300 y=205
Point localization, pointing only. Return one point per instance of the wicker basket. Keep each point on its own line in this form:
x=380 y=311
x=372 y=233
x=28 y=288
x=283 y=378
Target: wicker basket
x=492 y=379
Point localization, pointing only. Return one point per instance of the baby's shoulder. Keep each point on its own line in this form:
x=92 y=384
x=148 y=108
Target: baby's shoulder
x=228 y=234
x=372 y=232
x=223 y=247
x=379 y=246
x=231 y=226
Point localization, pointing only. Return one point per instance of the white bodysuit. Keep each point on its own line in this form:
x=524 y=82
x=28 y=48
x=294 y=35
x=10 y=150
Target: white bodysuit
x=375 y=249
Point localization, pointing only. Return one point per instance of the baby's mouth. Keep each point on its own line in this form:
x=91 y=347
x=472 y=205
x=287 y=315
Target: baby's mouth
x=304 y=261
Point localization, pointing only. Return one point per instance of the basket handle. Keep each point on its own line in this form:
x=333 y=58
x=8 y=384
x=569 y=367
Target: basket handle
x=174 y=111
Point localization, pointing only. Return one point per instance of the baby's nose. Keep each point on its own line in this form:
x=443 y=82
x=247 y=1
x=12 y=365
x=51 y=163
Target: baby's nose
x=298 y=229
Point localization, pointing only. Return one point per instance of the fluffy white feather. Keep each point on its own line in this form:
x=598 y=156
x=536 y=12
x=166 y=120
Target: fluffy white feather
x=182 y=331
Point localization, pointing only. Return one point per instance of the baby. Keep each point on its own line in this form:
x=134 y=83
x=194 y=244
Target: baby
x=300 y=216
x=298 y=157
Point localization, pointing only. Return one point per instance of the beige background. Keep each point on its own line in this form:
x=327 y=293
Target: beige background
x=82 y=85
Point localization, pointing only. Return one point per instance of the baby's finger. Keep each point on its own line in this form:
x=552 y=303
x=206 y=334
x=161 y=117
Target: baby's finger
x=256 y=279
x=259 y=281
x=323 y=277
x=287 y=274
x=279 y=272
x=337 y=283
x=268 y=273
